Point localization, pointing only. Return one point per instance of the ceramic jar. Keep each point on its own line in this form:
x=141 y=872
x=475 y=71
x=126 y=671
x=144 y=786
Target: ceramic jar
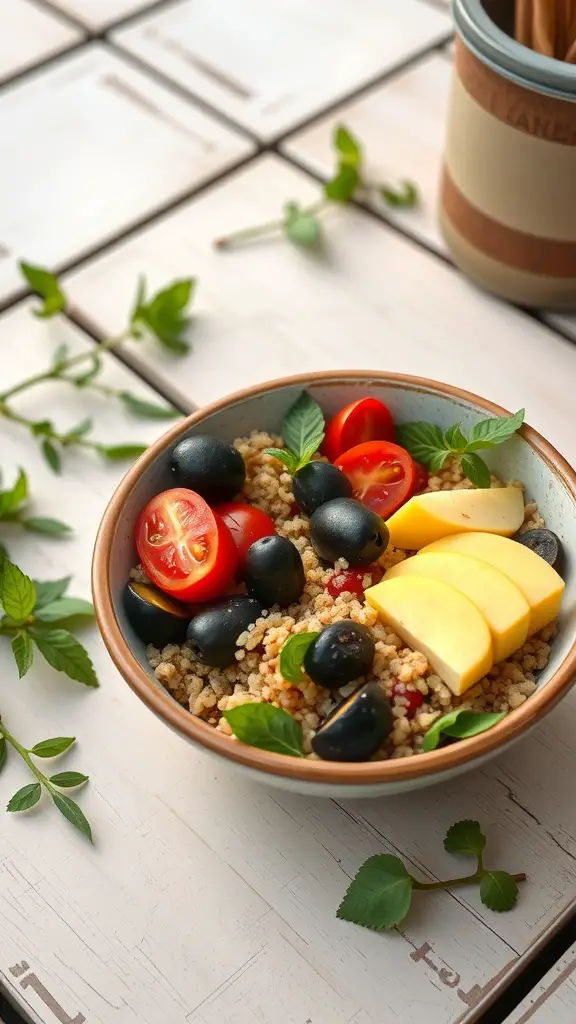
x=508 y=196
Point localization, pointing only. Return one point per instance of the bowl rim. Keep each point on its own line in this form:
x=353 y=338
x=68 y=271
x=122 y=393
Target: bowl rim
x=306 y=770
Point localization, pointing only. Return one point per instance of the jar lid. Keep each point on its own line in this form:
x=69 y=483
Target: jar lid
x=512 y=60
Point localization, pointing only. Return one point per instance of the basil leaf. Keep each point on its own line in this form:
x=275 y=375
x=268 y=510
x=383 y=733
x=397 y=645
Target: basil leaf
x=494 y=431
x=461 y=724
x=498 y=891
x=49 y=590
x=47 y=525
x=23 y=651
x=266 y=727
x=147 y=410
x=343 y=184
x=423 y=440
x=51 y=455
x=25 y=797
x=405 y=197
x=465 y=837
x=476 y=470
x=17 y=593
x=3 y=752
x=47 y=286
x=303 y=426
x=380 y=894
x=70 y=809
x=347 y=147
x=66 y=654
x=119 y=452
x=53 y=747
x=454 y=439
x=64 y=608
x=292 y=656
x=284 y=455
x=66 y=780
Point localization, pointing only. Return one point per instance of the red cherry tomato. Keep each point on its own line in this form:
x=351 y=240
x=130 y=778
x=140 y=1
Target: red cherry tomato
x=409 y=699
x=421 y=478
x=381 y=473
x=246 y=524
x=185 y=548
x=364 y=420
x=352 y=581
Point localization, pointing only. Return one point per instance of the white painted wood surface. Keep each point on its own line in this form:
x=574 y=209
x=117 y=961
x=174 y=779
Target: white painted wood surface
x=29 y=35
x=99 y=14
x=103 y=147
x=553 y=1001
x=270 y=66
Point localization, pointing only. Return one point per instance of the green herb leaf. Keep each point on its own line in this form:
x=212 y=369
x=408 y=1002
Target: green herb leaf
x=266 y=727
x=292 y=656
x=60 y=357
x=16 y=496
x=3 y=555
x=52 y=455
x=49 y=590
x=44 y=524
x=476 y=470
x=23 y=651
x=347 y=147
x=498 y=891
x=42 y=427
x=303 y=426
x=423 y=440
x=47 y=286
x=147 y=410
x=3 y=752
x=495 y=431
x=66 y=780
x=343 y=184
x=465 y=837
x=66 y=654
x=454 y=439
x=461 y=724
x=404 y=197
x=83 y=428
x=119 y=452
x=64 y=608
x=164 y=315
x=300 y=226
x=70 y=809
x=86 y=378
x=284 y=455
x=17 y=593
x=25 y=797
x=379 y=896
x=53 y=747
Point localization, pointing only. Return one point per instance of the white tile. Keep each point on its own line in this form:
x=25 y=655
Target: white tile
x=30 y=35
x=94 y=146
x=272 y=65
x=401 y=125
x=97 y=14
x=553 y=1001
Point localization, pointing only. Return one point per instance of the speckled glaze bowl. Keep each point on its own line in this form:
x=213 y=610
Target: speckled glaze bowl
x=548 y=478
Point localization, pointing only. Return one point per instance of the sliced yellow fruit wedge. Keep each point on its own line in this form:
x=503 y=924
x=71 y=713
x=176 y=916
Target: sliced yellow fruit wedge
x=428 y=517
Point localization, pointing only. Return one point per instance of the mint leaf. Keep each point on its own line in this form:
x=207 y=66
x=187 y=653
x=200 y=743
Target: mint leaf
x=303 y=426
x=51 y=455
x=476 y=470
x=454 y=439
x=53 y=747
x=23 y=651
x=83 y=428
x=3 y=752
x=300 y=226
x=292 y=656
x=423 y=440
x=60 y=357
x=266 y=727
x=70 y=809
x=44 y=524
x=64 y=608
x=461 y=724
x=164 y=315
x=284 y=455
x=17 y=593
x=498 y=891
x=119 y=452
x=465 y=837
x=380 y=894
x=49 y=590
x=343 y=184
x=86 y=378
x=66 y=780
x=66 y=654
x=495 y=431
x=147 y=410
x=347 y=147
x=25 y=797
x=436 y=461
x=16 y=496
x=404 y=197
x=47 y=286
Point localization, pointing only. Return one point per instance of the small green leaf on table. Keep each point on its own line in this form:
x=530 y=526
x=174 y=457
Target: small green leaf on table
x=65 y=608
x=461 y=724
x=50 y=590
x=465 y=837
x=405 y=197
x=164 y=315
x=68 y=780
x=16 y=496
x=46 y=525
x=83 y=380
x=498 y=891
x=379 y=896
x=147 y=410
x=292 y=656
x=3 y=752
x=53 y=747
x=343 y=185
x=17 y=593
x=347 y=147
x=60 y=357
x=301 y=226
x=51 y=455
x=25 y=797
x=81 y=429
x=66 y=654
x=266 y=727
x=47 y=286
x=70 y=809
x=119 y=452
x=23 y=651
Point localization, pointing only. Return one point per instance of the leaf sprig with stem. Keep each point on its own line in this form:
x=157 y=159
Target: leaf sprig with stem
x=301 y=225
x=164 y=316
x=14 y=509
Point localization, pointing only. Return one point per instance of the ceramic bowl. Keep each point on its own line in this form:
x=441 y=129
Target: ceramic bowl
x=548 y=478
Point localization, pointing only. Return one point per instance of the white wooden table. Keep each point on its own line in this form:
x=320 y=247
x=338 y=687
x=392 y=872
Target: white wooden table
x=133 y=134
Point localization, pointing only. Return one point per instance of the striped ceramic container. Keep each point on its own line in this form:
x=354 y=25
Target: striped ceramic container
x=508 y=206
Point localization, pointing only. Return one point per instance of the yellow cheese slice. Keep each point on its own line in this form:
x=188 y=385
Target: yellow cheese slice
x=539 y=582
x=428 y=517
x=438 y=620
x=503 y=606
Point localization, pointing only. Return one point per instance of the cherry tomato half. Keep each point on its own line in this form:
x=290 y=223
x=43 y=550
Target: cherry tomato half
x=381 y=473
x=421 y=478
x=246 y=524
x=364 y=420
x=185 y=548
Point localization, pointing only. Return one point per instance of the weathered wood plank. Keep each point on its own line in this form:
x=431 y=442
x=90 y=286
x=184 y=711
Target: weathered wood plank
x=29 y=35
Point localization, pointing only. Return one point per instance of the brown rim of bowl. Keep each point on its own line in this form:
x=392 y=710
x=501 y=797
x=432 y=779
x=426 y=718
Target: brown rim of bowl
x=372 y=772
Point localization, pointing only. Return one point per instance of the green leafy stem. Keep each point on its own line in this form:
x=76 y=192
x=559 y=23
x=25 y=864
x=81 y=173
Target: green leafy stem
x=301 y=224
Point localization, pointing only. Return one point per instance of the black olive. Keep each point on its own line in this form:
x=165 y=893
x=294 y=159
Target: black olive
x=344 y=528
x=212 y=468
x=154 y=616
x=543 y=543
x=319 y=482
x=343 y=652
x=357 y=728
x=274 y=572
x=213 y=633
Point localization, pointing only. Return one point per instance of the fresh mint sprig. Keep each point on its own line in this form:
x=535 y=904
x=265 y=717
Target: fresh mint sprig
x=301 y=224
x=380 y=895
x=14 y=506
x=302 y=433
x=428 y=445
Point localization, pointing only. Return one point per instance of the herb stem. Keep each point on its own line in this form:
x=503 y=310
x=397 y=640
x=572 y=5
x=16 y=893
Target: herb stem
x=24 y=754
x=453 y=883
x=268 y=227
x=57 y=373
x=64 y=439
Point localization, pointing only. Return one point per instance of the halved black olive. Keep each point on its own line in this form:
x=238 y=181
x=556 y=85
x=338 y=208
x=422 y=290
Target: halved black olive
x=342 y=653
x=357 y=728
x=213 y=633
x=212 y=468
x=154 y=616
x=543 y=543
